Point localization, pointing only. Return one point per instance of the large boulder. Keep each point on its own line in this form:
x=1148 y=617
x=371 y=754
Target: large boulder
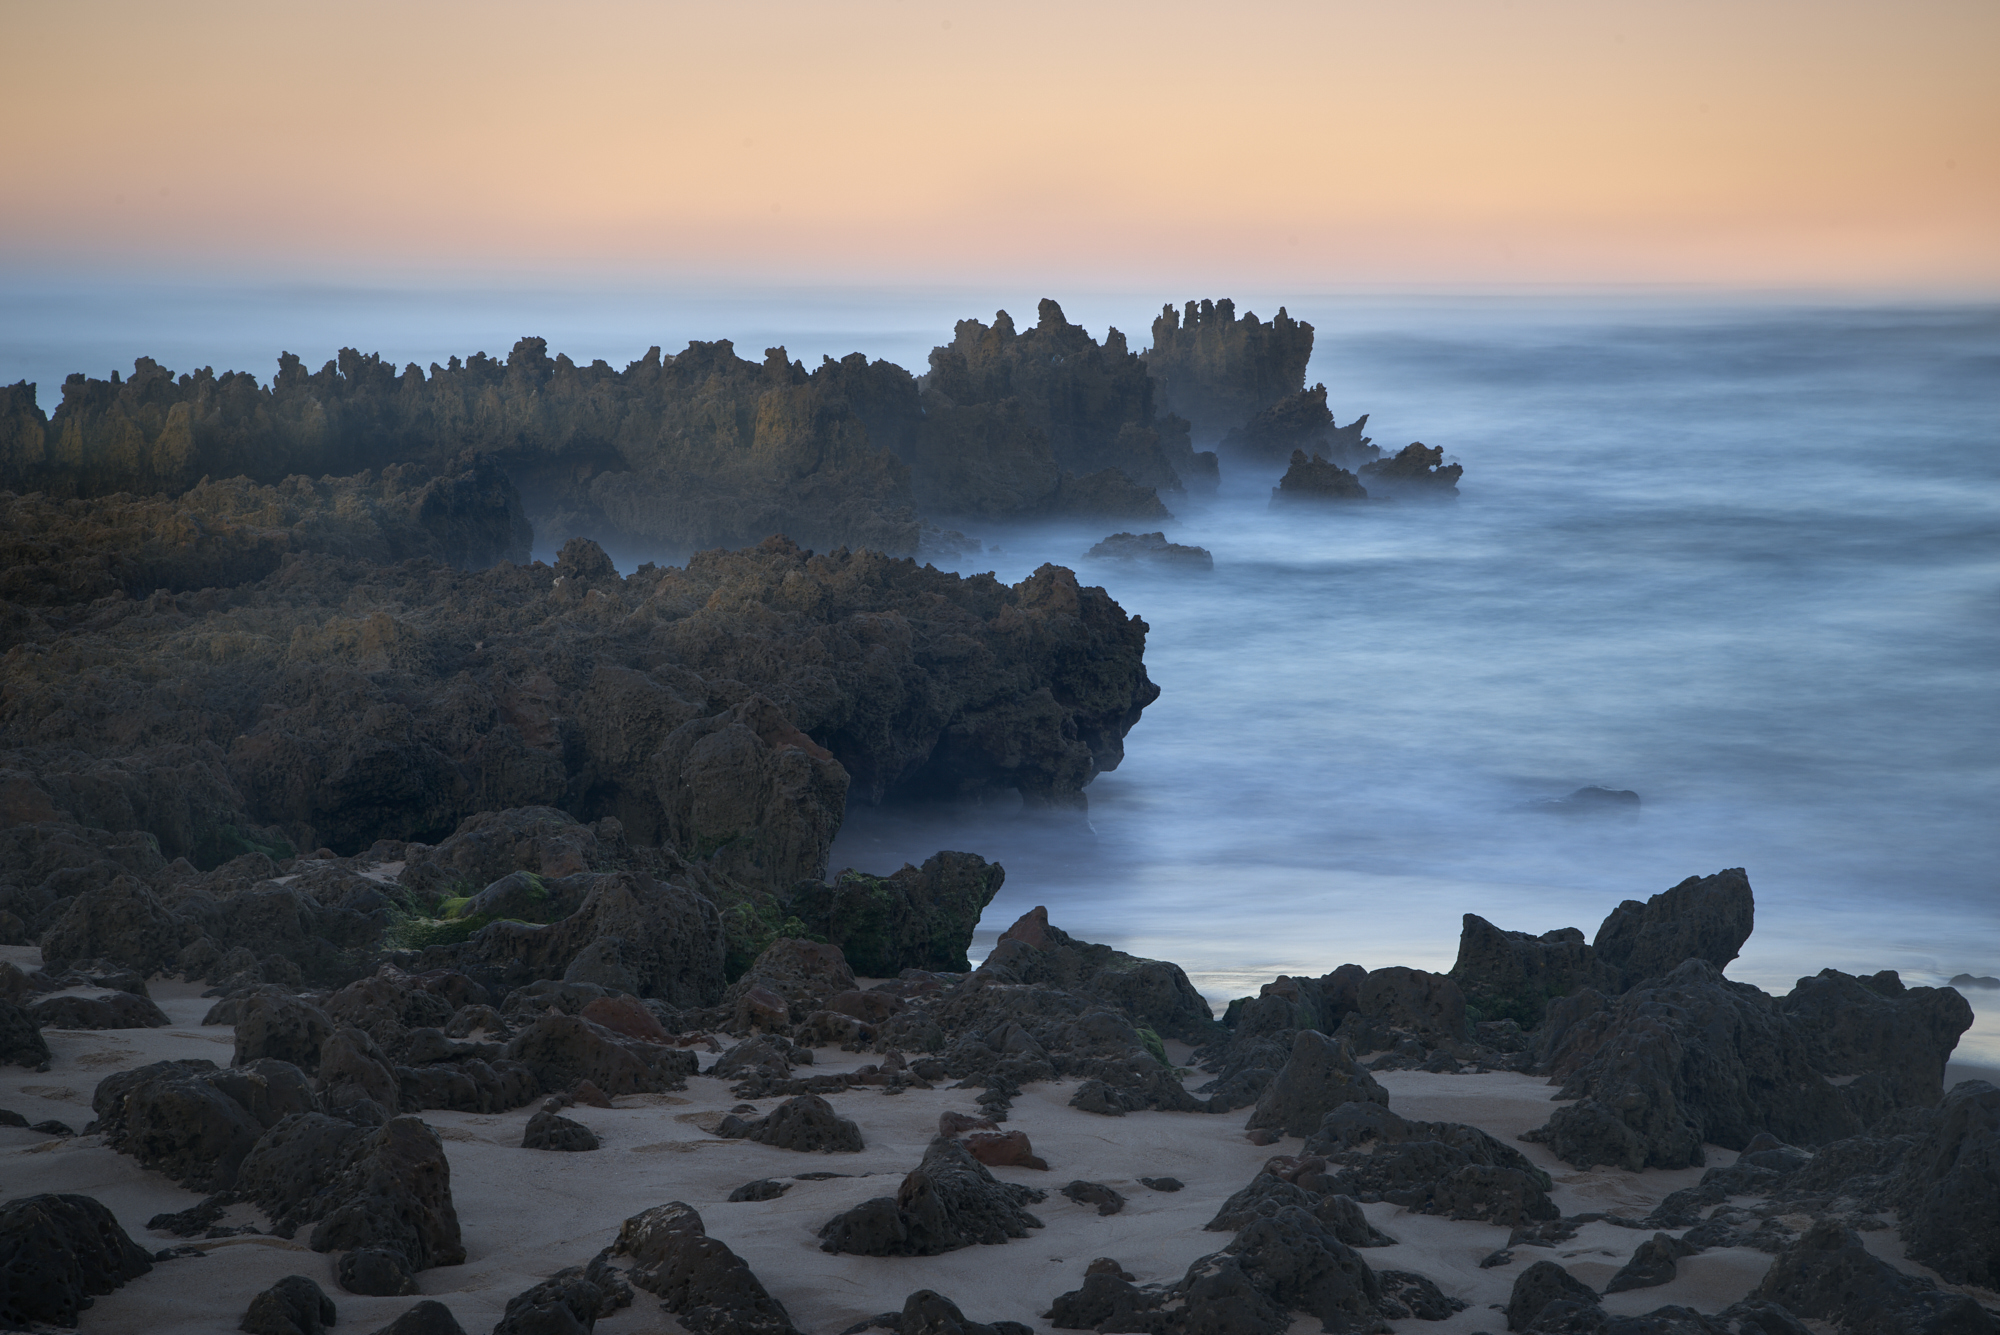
x=193 y=1121
x=917 y=918
x=21 y=1041
x=1319 y=1076
x=569 y=1302
x=295 y=1305
x=949 y=1201
x=1948 y=1185
x=57 y=1253
x=110 y=1010
x=698 y=1278
x=1704 y=917
x=284 y=1028
x=393 y=1195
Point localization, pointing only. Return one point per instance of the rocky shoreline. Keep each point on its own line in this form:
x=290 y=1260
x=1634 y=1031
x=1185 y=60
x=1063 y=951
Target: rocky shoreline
x=400 y=932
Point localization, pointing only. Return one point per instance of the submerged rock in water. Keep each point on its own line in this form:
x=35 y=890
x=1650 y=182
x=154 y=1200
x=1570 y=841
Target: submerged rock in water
x=1311 y=479
x=1152 y=548
x=1416 y=470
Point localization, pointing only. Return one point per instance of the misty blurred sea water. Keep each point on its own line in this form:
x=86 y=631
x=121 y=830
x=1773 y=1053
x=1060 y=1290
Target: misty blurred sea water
x=1739 y=556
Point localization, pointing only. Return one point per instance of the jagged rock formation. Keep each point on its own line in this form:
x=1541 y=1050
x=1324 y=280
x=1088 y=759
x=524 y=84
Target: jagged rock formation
x=1313 y=481
x=804 y=1122
x=1301 y=423
x=1154 y=993
x=696 y=450
x=1217 y=370
x=1041 y=423
x=697 y=1278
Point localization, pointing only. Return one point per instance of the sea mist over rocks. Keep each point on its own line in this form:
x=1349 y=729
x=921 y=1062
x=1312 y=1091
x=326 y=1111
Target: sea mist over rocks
x=1739 y=558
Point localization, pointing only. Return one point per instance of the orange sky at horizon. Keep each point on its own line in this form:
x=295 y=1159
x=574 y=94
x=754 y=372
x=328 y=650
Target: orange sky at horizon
x=1434 y=141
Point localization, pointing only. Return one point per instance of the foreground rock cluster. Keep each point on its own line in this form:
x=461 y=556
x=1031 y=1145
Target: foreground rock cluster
x=318 y=1123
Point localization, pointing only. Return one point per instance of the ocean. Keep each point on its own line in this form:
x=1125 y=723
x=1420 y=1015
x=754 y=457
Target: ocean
x=1740 y=555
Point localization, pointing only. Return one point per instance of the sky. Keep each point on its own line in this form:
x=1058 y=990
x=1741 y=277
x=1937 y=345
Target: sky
x=1763 y=143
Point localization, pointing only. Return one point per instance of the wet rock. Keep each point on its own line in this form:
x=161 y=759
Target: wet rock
x=698 y=1278
x=21 y=1041
x=548 y=1131
x=1152 y=549
x=1311 y=480
x=1704 y=917
x=1537 y=1287
x=1827 y=1274
x=293 y=1306
x=805 y=1122
x=1652 y=1264
x=1104 y=1198
x=763 y=1189
x=948 y=1202
x=1514 y=975
x=1416 y=470
x=562 y=1050
x=1319 y=1076
x=429 y=1317
x=916 y=918
x=57 y=1254
x=115 y=1010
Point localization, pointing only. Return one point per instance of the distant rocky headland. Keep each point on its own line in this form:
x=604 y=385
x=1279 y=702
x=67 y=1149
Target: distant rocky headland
x=388 y=917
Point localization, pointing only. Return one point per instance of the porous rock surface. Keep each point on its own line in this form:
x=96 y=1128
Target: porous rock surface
x=57 y=1253
x=947 y=1202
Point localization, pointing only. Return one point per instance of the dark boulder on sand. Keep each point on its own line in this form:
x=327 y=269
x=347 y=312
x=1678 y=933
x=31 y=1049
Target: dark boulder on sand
x=294 y=1305
x=1319 y=1076
x=193 y=1121
x=569 y=1302
x=1829 y=1275
x=1537 y=1287
x=697 y=1277
x=947 y=1202
x=57 y=1253
x=21 y=1041
x=1155 y=993
x=552 y=1131
x=804 y=1122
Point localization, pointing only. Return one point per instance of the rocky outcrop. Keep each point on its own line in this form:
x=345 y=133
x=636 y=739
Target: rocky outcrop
x=948 y=1202
x=552 y=1131
x=110 y=1010
x=1704 y=917
x=1041 y=422
x=1537 y=1287
x=346 y=704
x=21 y=1041
x=1693 y=1057
x=1155 y=994
x=916 y=918
x=928 y=1313
x=1311 y=480
x=698 y=1278
x=1417 y=471
x=57 y=1253
x=1949 y=1179
x=429 y=1317
x=563 y=1050
x=1218 y=370
x=1444 y=1168
x=1151 y=549
x=696 y=450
